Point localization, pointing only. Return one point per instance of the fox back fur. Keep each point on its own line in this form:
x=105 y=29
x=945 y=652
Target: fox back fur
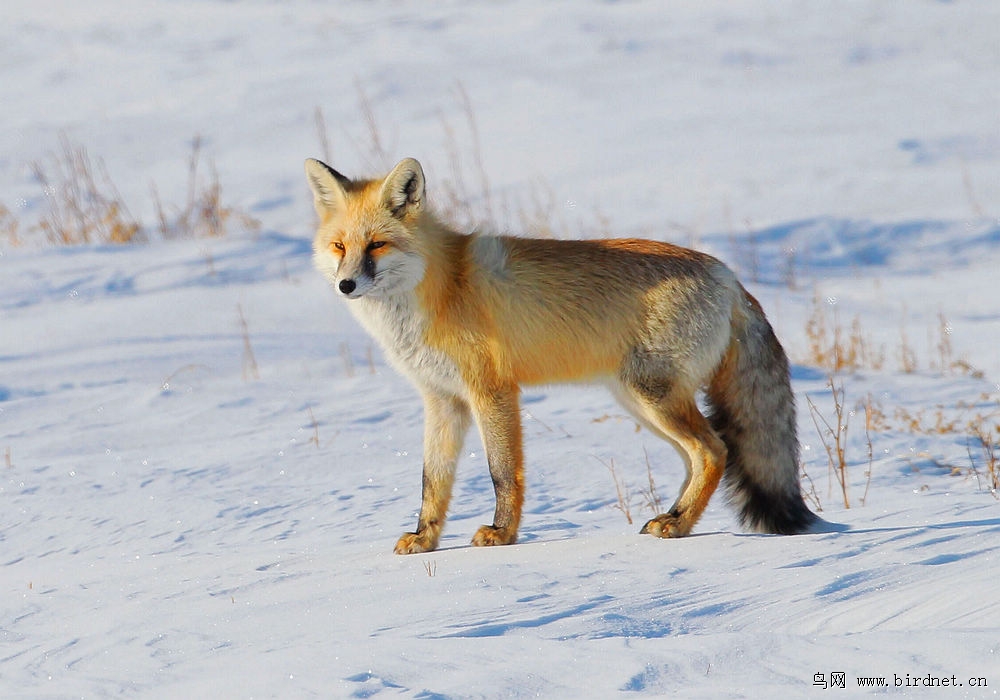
x=469 y=318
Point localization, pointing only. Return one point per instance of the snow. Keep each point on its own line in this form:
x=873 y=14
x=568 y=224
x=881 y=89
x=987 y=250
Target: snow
x=185 y=509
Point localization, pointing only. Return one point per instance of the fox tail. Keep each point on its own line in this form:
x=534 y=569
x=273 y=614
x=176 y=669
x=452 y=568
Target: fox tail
x=752 y=408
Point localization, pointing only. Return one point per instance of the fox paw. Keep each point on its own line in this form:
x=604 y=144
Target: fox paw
x=490 y=536
x=415 y=543
x=666 y=525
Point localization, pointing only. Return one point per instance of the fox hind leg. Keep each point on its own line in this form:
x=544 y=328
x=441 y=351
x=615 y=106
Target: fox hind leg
x=675 y=417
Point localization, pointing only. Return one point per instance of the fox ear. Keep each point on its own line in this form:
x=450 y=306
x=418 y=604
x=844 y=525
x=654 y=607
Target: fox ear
x=403 y=188
x=328 y=187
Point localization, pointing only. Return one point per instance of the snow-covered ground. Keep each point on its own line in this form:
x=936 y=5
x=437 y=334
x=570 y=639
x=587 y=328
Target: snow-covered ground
x=206 y=463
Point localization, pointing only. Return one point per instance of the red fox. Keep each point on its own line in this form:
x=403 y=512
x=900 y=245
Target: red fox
x=469 y=318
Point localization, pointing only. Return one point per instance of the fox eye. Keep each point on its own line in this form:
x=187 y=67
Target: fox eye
x=375 y=245
x=337 y=245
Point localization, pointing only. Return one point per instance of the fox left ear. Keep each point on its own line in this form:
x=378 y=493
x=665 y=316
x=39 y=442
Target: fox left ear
x=403 y=189
x=327 y=185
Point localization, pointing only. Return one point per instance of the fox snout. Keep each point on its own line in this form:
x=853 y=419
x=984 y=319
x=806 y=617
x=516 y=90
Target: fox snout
x=356 y=276
x=355 y=286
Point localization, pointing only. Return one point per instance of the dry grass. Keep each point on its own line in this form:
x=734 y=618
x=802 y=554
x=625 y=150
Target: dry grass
x=835 y=349
x=314 y=439
x=906 y=354
x=250 y=368
x=986 y=437
x=9 y=226
x=870 y=422
x=165 y=385
x=324 y=138
x=810 y=494
x=970 y=192
x=833 y=436
x=978 y=422
x=345 y=354
x=963 y=417
x=652 y=497
x=974 y=420
x=204 y=215
x=83 y=205
x=622 y=491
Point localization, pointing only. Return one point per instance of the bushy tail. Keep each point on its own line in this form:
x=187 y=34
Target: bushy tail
x=753 y=411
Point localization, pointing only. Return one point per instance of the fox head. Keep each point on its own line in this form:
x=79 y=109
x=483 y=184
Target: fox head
x=365 y=245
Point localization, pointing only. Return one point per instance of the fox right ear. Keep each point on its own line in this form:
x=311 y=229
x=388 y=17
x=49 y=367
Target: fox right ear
x=403 y=188
x=327 y=185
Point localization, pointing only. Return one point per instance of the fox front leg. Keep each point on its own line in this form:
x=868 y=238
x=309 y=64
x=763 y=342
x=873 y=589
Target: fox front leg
x=446 y=421
x=498 y=415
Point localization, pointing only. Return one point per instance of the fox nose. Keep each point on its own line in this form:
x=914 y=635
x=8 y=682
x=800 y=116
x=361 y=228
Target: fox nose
x=347 y=286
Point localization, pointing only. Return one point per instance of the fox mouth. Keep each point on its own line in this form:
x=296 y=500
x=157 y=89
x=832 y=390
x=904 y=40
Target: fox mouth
x=353 y=292
x=356 y=289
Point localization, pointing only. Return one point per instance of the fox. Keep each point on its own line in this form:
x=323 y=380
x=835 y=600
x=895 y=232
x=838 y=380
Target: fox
x=471 y=317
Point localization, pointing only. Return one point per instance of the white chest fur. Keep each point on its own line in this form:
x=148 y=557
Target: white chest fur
x=399 y=326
